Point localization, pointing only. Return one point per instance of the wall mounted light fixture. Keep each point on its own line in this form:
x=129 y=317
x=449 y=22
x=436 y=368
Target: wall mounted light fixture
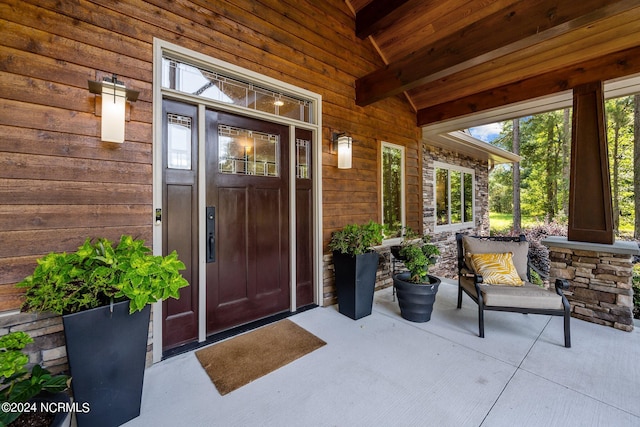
x=114 y=98
x=342 y=144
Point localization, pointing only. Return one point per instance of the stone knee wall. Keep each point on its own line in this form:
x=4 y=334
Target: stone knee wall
x=48 y=348
x=600 y=284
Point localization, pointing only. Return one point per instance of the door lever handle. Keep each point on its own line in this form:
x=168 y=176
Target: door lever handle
x=211 y=234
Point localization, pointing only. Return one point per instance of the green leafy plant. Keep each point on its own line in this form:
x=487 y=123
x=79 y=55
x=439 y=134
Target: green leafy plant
x=97 y=274
x=354 y=239
x=17 y=383
x=419 y=256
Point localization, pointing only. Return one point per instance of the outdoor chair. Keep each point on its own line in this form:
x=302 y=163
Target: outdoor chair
x=496 y=273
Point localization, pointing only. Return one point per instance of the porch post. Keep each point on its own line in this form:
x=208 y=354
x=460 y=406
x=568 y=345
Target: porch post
x=590 y=206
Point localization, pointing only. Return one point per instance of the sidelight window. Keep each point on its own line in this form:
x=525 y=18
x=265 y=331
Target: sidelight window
x=179 y=142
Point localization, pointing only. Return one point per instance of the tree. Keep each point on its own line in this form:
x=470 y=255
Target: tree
x=517 y=216
x=618 y=118
x=636 y=164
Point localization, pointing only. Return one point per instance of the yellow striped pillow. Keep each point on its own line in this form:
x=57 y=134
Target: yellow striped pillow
x=496 y=269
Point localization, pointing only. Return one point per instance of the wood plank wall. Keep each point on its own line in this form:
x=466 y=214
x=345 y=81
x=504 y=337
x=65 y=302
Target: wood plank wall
x=59 y=184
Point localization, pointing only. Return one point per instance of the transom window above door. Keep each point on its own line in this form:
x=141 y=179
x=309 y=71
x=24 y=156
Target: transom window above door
x=247 y=152
x=215 y=86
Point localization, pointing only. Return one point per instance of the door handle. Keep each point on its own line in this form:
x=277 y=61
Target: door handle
x=211 y=234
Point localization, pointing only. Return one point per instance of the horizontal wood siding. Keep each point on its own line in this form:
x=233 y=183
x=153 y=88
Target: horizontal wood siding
x=60 y=184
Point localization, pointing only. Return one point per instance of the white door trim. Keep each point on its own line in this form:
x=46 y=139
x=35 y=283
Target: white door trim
x=161 y=47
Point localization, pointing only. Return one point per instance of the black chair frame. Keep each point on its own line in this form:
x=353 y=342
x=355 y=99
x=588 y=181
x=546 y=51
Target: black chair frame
x=560 y=285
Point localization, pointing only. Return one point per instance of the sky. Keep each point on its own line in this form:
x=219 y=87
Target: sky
x=486 y=133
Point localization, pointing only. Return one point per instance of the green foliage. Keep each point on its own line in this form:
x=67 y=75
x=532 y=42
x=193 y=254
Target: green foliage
x=354 y=239
x=17 y=384
x=97 y=273
x=545 y=150
x=419 y=256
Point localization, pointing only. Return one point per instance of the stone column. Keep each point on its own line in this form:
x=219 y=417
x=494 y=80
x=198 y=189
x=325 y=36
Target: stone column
x=600 y=278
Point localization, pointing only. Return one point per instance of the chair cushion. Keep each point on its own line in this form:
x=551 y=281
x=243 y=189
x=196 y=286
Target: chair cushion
x=527 y=296
x=520 y=250
x=496 y=269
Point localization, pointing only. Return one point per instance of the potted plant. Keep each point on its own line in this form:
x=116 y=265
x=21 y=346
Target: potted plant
x=408 y=236
x=25 y=394
x=416 y=289
x=104 y=294
x=355 y=264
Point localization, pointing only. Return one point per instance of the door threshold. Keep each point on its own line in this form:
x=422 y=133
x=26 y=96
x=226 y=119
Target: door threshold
x=237 y=330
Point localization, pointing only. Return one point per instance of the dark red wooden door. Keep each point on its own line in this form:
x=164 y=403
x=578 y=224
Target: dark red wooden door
x=247 y=176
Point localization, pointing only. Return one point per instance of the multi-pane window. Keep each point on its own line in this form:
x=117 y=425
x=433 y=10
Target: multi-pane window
x=247 y=152
x=392 y=189
x=210 y=84
x=453 y=195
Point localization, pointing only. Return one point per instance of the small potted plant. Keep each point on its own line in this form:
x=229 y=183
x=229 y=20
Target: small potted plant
x=104 y=294
x=416 y=289
x=25 y=393
x=408 y=237
x=355 y=264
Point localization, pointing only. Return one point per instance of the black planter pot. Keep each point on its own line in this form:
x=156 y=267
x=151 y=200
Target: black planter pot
x=415 y=300
x=355 y=283
x=106 y=352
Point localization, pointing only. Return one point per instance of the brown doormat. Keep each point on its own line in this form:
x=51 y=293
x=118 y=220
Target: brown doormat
x=245 y=358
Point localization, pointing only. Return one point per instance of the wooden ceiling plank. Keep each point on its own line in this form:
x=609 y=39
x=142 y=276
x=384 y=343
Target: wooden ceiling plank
x=379 y=14
x=565 y=52
x=425 y=25
x=520 y=25
x=609 y=67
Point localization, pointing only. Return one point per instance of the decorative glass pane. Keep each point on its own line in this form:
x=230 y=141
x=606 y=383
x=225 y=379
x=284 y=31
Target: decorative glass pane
x=217 y=87
x=442 y=196
x=247 y=152
x=303 y=158
x=468 y=197
x=456 y=196
x=178 y=142
x=392 y=189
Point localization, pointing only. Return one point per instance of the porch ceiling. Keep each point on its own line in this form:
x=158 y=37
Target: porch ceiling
x=459 y=57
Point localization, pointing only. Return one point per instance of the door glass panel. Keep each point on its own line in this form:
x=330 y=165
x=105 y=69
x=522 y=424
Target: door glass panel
x=247 y=152
x=303 y=158
x=179 y=142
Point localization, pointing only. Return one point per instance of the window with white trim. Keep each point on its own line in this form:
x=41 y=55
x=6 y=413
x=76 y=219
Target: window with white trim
x=393 y=195
x=454 y=195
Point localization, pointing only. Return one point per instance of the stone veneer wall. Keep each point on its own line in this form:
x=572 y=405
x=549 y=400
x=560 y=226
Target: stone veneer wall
x=48 y=347
x=600 y=278
x=447 y=265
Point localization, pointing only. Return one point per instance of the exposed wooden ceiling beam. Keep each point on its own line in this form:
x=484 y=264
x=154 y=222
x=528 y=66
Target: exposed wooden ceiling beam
x=612 y=66
x=378 y=15
x=521 y=25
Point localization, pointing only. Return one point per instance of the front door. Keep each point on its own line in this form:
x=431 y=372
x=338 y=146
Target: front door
x=247 y=211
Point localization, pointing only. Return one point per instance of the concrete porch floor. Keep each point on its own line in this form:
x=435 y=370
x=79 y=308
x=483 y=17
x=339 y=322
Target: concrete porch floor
x=384 y=371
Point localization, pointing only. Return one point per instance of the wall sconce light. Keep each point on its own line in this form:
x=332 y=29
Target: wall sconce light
x=342 y=144
x=114 y=98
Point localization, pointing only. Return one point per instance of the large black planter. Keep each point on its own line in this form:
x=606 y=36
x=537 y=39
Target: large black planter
x=415 y=300
x=355 y=283
x=106 y=352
